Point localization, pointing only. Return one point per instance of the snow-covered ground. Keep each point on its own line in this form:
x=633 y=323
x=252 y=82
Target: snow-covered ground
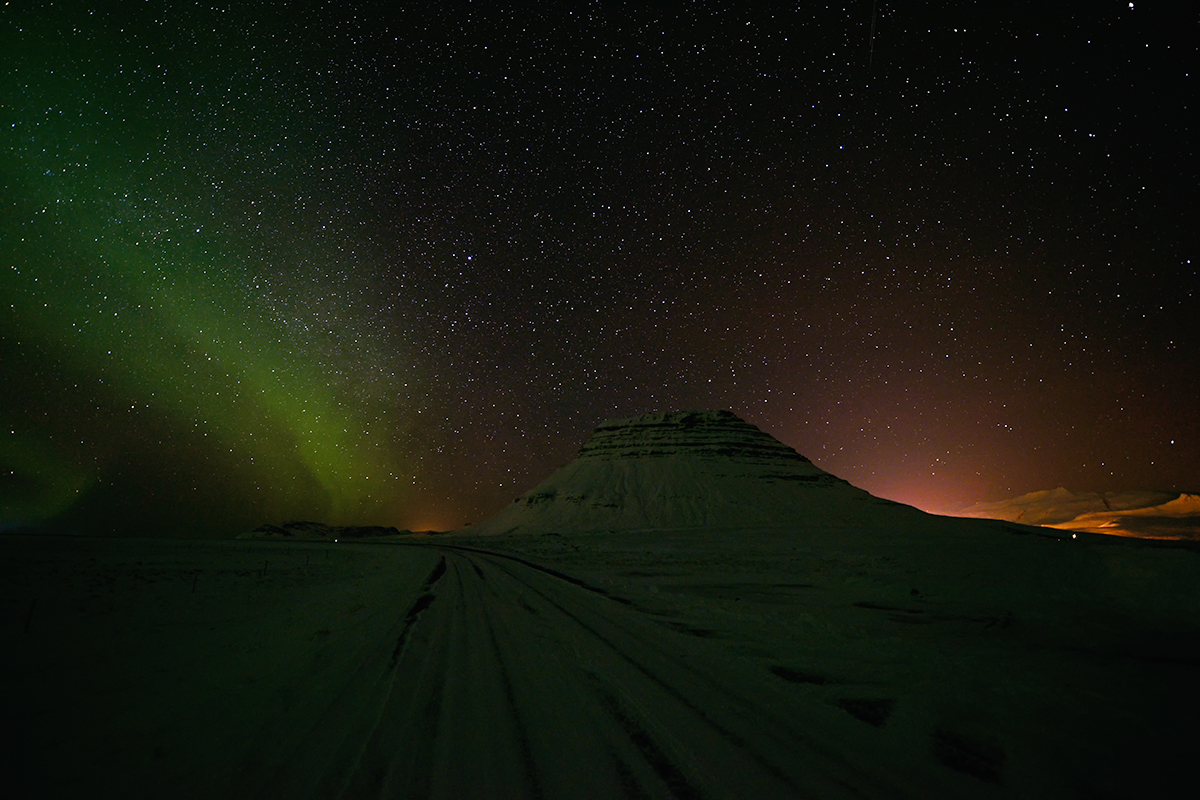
x=951 y=658
x=1038 y=666
x=164 y=668
x=690 y=609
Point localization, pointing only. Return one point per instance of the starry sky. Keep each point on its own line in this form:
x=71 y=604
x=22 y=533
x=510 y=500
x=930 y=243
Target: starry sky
x=269 y=261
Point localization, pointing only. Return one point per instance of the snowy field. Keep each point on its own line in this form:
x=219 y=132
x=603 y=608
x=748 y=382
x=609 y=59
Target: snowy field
x=162 y=668
x=930 y=658
x=1035 y=666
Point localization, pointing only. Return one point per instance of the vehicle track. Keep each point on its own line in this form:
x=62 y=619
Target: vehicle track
x=508 y=680
x=515 y=681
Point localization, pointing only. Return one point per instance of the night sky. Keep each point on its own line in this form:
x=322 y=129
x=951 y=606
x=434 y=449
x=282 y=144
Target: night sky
x=262 y=262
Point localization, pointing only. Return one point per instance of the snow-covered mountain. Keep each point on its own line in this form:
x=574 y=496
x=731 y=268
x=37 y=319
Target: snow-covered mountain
x=1144 y=514
x=717 y=617
x=692 y=469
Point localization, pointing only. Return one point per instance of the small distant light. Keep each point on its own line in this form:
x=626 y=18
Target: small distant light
x=1073 y=535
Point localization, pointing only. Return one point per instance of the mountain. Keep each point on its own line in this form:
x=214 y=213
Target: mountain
x=1142 y=514
x=716 y=617
x=1029 y=661
x=680 y=470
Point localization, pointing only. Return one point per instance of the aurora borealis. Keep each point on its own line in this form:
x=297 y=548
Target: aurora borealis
x=387 y=266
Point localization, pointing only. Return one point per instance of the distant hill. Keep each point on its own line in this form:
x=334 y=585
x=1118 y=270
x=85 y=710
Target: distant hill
x=1142 y=514
x=318 y=531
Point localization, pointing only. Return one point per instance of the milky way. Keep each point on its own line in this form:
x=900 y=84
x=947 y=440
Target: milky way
x=391 y=267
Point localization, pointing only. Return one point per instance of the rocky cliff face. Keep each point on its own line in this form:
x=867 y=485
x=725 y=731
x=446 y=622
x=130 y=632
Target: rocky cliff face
x=710 y=435
x=678 y=470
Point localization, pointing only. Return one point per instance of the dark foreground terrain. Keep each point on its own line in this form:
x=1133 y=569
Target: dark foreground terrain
x=733 y=664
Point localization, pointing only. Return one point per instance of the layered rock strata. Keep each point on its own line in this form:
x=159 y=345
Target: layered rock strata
x=676 y=470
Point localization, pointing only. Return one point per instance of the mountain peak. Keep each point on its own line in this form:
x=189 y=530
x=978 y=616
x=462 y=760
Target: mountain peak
x=680 y=470
x=694 y=434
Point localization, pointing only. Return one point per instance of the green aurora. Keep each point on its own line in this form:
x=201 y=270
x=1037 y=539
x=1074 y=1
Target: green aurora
x=171 y=326
x=380 y=263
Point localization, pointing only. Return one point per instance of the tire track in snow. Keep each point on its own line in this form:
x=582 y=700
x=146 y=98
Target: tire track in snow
x=690 y=700
x=676 y=782
x=562 y=749
x=423 y=602
x=400 y=748
x=670 y=675
x=511 y=681
x=527 y=760
x=655 y=753
x=451 y=726
x=320 y=753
